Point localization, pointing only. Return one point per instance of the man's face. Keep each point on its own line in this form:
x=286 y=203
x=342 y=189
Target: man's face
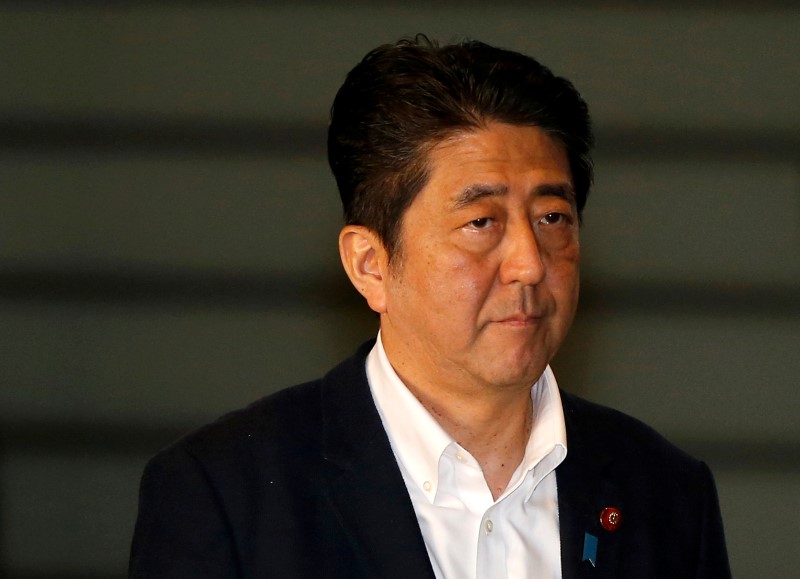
x=485 y=284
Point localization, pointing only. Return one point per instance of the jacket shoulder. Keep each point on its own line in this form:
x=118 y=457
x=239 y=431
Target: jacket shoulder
x=285 y=414
x=624 y=437
x=281 y=428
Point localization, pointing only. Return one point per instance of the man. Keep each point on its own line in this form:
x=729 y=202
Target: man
x=445 y=447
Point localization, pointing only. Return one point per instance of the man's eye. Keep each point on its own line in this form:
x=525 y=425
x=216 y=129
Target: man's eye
x=554 y=218
x=481 y=223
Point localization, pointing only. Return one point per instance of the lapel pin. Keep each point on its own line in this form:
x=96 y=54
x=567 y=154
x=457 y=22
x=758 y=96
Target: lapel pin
x=610 y=518
x=590 y=549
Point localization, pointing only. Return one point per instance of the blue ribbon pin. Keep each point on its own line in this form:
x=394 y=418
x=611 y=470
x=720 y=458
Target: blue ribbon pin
x=590 y=549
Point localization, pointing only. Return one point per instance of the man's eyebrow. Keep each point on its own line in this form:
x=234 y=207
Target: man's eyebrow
x=473 y=193
x=563 y=190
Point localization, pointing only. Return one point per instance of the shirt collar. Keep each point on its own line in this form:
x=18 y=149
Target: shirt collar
x=547 y=444
x=419 y=442
x=417 y=439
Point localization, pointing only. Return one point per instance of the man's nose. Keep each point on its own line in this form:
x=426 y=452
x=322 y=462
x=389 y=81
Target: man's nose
x=522 y=259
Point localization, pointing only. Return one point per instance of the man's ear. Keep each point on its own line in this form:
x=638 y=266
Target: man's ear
x=366 y=263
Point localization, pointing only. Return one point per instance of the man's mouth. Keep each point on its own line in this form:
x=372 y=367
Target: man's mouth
x=521 y=319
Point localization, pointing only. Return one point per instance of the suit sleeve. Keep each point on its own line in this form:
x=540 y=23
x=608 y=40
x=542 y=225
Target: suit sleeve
x=181 y=531
x=713 y=556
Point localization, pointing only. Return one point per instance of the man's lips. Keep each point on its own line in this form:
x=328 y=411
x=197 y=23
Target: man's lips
x=521 y=319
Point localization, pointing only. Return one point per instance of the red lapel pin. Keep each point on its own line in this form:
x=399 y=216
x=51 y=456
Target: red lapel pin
x=610 y=518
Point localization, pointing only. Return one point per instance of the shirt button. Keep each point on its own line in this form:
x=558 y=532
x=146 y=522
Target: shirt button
x=489 y=526
x=427 y=485
x=460 y=457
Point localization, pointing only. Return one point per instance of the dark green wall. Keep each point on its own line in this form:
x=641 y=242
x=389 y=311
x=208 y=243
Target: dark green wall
x=168 y=240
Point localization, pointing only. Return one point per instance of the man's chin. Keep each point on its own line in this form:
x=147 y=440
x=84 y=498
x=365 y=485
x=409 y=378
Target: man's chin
x=513 y=374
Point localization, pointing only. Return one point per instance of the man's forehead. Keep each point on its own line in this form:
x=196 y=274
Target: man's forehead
x=481 y=147
x=496 y=159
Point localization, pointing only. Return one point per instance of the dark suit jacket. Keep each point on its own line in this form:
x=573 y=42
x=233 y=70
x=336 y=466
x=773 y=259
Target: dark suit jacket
x=304 y=483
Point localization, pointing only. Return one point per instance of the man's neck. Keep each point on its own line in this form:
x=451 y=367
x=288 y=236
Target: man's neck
x=494 y=429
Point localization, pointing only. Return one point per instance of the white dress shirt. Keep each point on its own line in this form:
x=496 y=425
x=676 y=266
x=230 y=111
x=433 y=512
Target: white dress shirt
x=468 y=534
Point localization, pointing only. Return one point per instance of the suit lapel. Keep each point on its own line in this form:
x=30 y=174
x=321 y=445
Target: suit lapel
x=363 y=482
x=585 y=487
